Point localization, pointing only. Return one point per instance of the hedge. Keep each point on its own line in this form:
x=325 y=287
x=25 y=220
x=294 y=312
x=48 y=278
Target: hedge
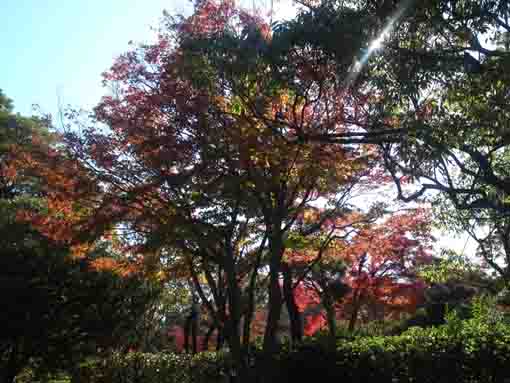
x=156 y=368
x=457 y=352
x=466 y=351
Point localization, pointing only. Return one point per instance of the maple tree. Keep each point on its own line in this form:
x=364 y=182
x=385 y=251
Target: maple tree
x=384 y=262
x=191 y=133
x=362 y=263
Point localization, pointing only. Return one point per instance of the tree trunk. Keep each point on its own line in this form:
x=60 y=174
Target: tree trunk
x=268 y=369
x=219 y=338
x=275 y=296
x=331 y=318
x=250 y=309
x=296 y=323
x=207 y=338
x=234 y=319
x=187 y=326
x=194 y=333
x=9 y=376
x=13 y=366
x=248 y=317
x=355 y=310
x=190 y=330
x=356 y=301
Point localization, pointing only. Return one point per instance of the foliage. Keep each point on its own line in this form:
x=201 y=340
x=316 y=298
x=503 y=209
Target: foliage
x=469 y=351
x=450 y=267
x=56 y=308
x=157 y=368
x=59 y=310
x=440 y=73
x=462 y=351
x=376 y=263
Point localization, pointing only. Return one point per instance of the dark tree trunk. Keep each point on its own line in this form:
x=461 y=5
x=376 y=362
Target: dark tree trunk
x=194 y=334
x=331 y=318
x=296 y=323
x=275 y=299
x=187 y=325
x=220 y=339
x=355 y=311
x=356 y=301
x=250 y=309
x=191 y=329
x=233 y=322
x=9 y=376
x=268 y=368
x=13 y=366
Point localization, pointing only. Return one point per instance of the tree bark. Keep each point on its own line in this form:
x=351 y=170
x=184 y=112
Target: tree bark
x=207 y=338
x=331 y=318
x=355 y=310
x=250 y=309
x=275 y=295
x=296 y=323
x=234 y=319
x=271 y=344
x=190 y=329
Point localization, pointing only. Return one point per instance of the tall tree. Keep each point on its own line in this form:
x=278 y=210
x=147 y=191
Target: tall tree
x=192 y=155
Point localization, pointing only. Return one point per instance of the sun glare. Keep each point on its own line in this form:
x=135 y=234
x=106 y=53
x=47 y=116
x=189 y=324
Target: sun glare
x=378 y=43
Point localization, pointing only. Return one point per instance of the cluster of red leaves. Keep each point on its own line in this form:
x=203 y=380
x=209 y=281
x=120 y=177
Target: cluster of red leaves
x=382 y=260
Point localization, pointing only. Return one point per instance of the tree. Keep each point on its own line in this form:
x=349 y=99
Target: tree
x=192 y=165
x=55 y=309
x=450 y=89
x=384 y=261
x=367 y=265
x=441 y=105
x=457 y=124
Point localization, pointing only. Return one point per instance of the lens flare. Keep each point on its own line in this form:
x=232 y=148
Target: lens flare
x=378 y=43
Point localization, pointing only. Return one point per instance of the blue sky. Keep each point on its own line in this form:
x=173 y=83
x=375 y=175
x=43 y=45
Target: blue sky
x=52 y=47
x=61 y=47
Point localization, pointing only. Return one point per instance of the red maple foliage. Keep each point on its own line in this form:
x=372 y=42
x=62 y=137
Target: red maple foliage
x=380 y=260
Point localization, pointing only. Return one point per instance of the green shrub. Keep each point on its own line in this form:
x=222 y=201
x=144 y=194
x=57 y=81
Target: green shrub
x=156 y=368
x=470 y=351
x=459 y=351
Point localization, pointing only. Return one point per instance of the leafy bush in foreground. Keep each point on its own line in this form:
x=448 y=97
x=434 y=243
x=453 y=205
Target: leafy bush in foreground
x=459 y=351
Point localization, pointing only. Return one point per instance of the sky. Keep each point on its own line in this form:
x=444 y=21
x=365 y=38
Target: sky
x=57 y=49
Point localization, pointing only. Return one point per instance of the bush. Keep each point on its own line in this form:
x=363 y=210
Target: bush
x=471 y=351
x=207 y=367
x=459 y=351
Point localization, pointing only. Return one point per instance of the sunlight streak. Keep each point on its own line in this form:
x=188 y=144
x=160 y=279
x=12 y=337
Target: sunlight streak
x=378 y=43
